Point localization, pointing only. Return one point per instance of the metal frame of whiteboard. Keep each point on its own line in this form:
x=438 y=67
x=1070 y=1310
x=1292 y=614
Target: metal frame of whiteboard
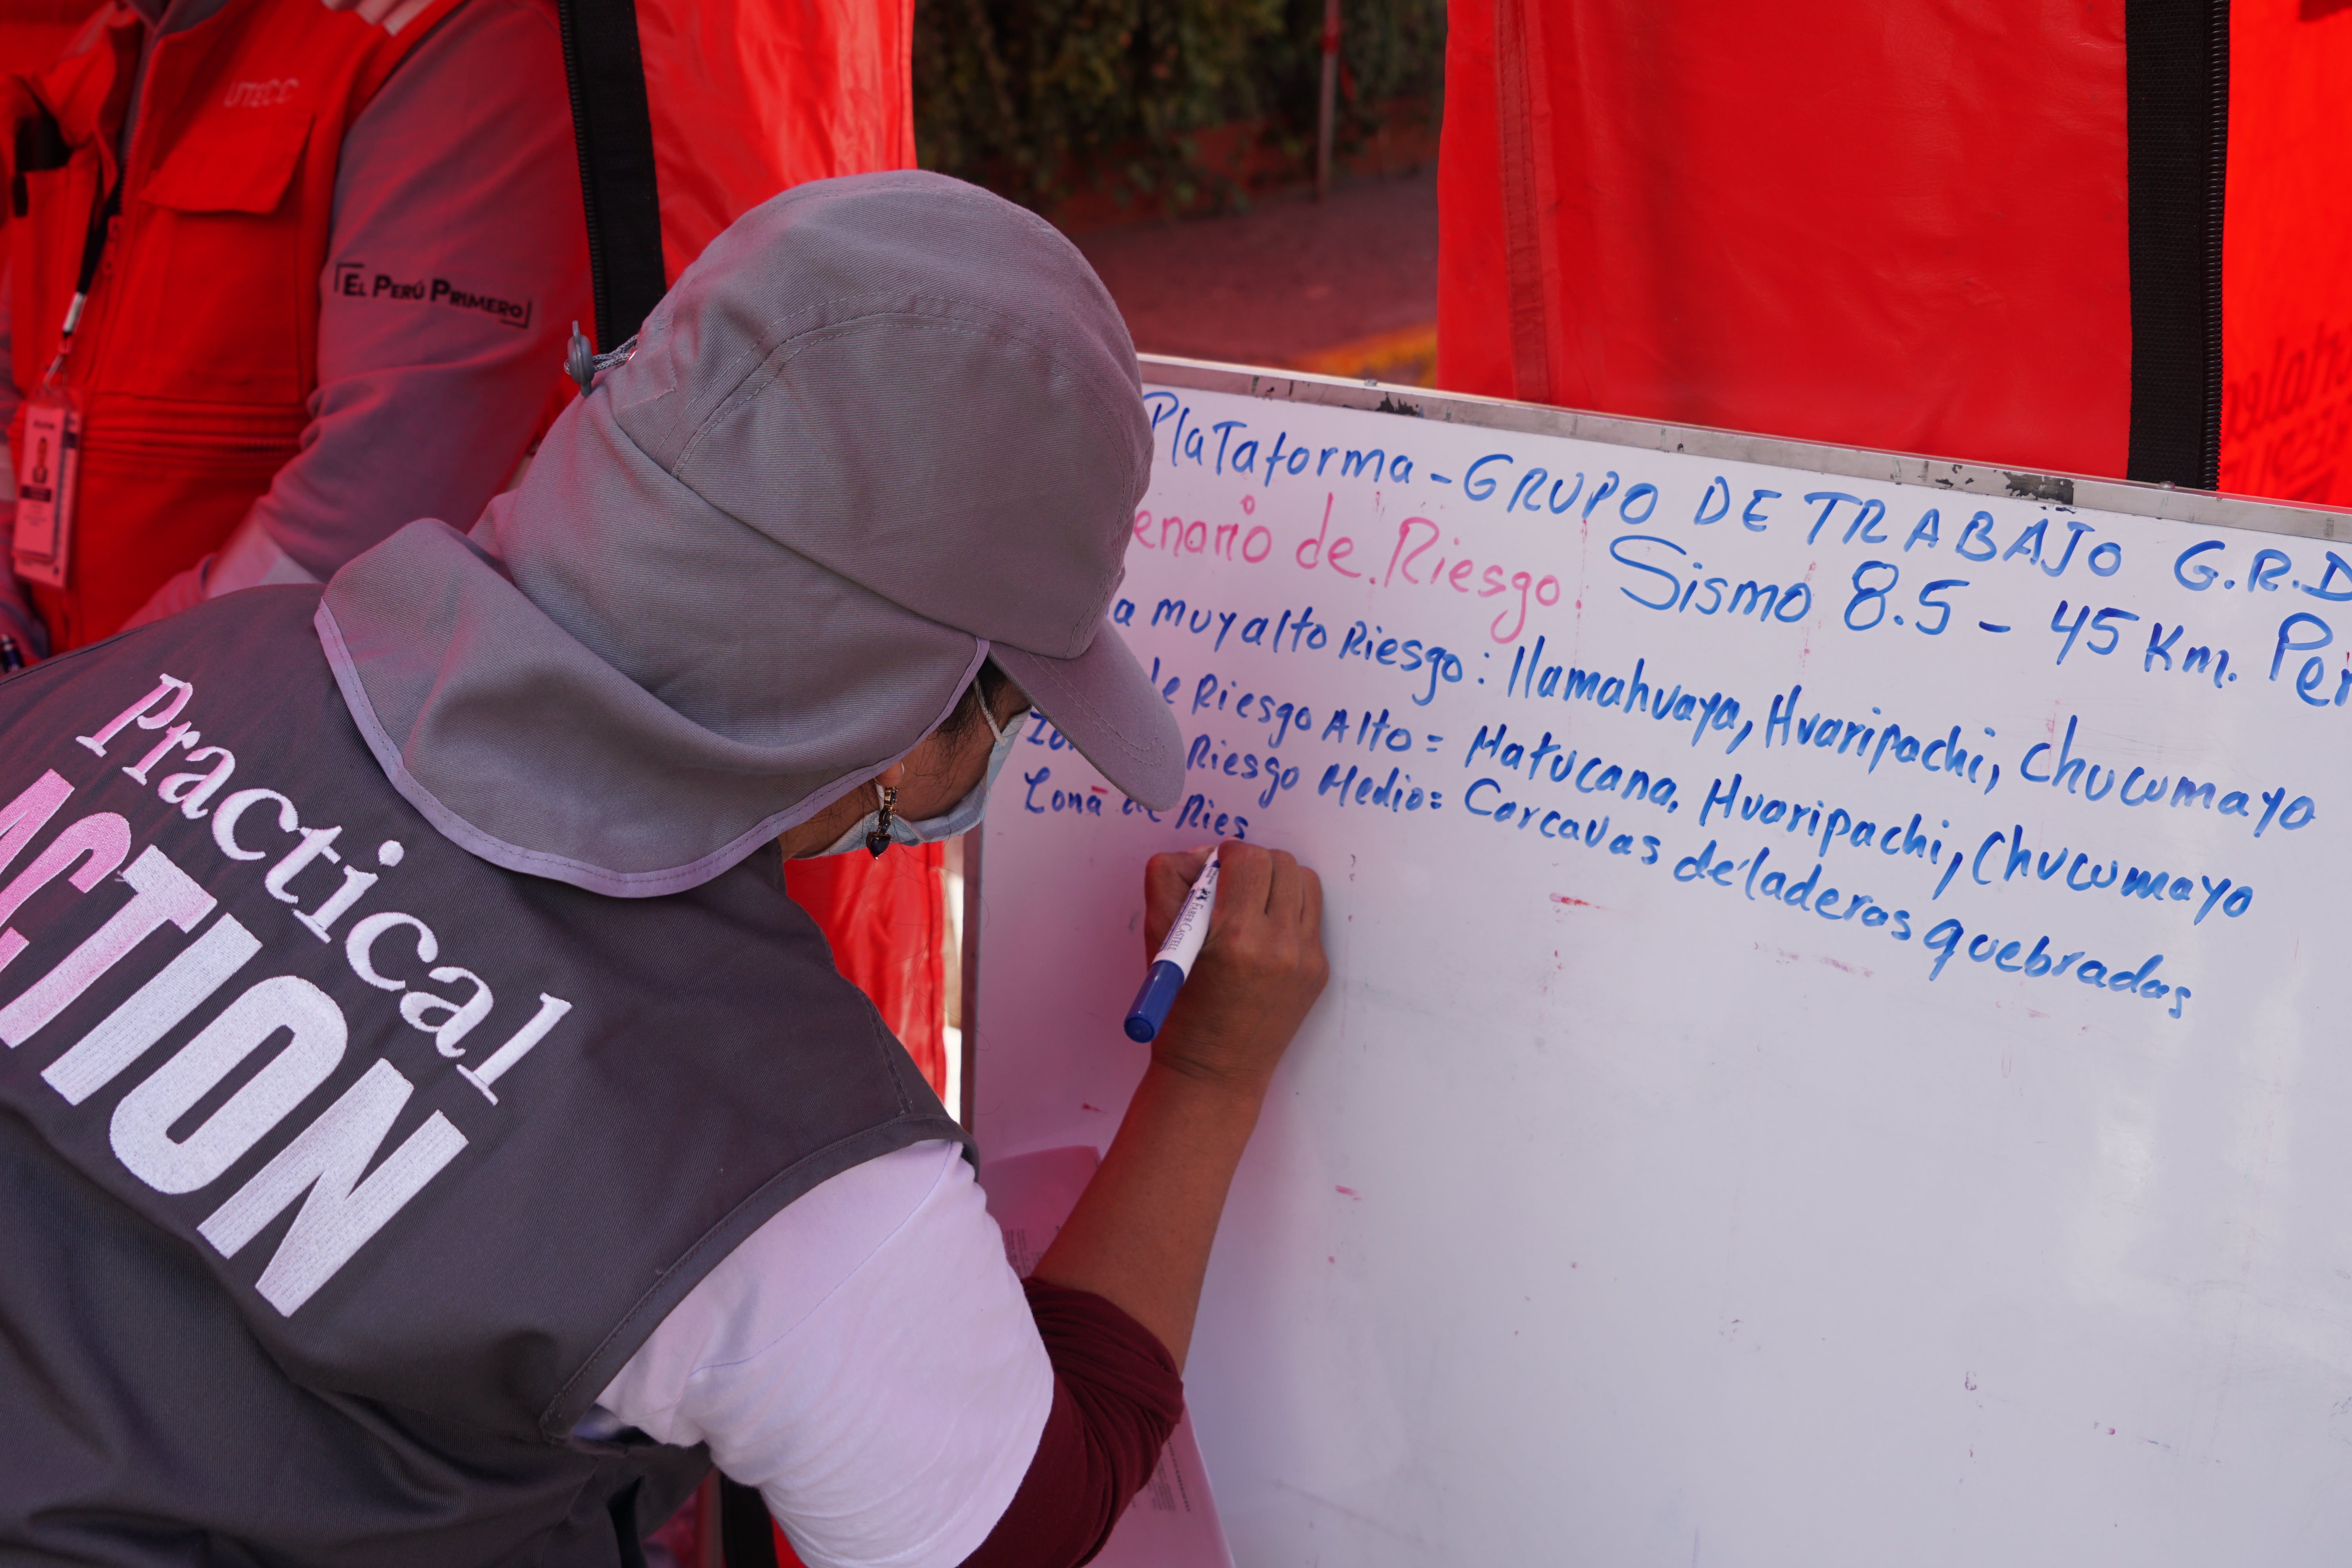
x=1734 y=445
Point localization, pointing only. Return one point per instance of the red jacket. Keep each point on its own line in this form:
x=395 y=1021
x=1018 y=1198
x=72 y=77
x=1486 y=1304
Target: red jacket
x=197 y=350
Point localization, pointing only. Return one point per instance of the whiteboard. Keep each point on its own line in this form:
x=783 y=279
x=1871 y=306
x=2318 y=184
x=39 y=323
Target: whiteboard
x=1776 y=1102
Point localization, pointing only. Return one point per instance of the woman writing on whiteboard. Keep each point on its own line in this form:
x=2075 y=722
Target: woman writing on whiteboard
x=607 y=1175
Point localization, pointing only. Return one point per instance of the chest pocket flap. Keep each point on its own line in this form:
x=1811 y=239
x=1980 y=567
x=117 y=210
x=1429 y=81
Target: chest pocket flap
x=240 y=161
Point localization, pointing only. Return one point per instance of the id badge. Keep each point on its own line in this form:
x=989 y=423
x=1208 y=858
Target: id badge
x=46 y=470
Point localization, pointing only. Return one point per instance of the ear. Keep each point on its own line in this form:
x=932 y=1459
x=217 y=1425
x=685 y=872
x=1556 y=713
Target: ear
x=894 y=776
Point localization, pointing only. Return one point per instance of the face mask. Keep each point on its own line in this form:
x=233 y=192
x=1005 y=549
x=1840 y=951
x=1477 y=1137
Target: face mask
x=963 y=818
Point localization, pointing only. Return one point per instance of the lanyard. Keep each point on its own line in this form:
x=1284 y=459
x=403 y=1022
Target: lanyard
x=93 y=243
x=42 y=541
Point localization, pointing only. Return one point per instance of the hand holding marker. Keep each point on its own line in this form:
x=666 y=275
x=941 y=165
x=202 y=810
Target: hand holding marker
x=1177 y=952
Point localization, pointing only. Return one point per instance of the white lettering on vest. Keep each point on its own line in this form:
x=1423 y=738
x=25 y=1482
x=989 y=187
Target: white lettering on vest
x=317 y=842
x=153 y=1011
x=321 y=922
x=190 y=791
x=225 y=823
x=326 y=1159
x=450 y=1020
x=359 y=947
x=102 y=841
x=159 y=893
x=141 y=1130
x=296 y=1032
x=24 y=817
x=502 y=1060
x=180 y=735
x=171 y=691
x=456 y=1021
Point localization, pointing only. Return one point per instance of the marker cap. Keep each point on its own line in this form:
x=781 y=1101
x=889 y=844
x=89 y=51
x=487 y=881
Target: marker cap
x=1152 y=1003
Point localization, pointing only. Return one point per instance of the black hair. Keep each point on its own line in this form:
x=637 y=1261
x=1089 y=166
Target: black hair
x=965 y=716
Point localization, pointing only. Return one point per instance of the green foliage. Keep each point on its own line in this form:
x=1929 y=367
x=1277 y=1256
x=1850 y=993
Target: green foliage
x=1039 y=98
x=1389 y=50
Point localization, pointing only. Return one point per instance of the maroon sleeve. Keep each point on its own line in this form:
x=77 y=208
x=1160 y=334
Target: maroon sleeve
x=1117 y=1396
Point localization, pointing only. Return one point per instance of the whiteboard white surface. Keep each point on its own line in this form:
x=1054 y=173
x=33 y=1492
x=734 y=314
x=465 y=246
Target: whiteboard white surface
x=1615 y=1210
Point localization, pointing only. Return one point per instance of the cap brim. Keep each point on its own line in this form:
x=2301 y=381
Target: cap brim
x=1102 y=703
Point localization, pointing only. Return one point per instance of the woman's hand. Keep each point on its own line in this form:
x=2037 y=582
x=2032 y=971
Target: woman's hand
x=1140 y=1233
x=1259 y=972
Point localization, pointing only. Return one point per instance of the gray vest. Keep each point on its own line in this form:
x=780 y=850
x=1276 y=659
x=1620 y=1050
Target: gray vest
x=339 y=1171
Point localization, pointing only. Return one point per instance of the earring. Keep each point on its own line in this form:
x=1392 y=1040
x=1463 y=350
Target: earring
x=879 y=840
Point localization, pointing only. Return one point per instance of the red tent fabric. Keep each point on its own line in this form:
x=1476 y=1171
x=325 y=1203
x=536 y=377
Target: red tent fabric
x=751 y=97
x=887 y=921
x=1970 y=231
x=2287 y=318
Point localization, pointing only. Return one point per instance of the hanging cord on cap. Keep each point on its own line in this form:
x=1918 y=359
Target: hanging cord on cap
x=583 y=364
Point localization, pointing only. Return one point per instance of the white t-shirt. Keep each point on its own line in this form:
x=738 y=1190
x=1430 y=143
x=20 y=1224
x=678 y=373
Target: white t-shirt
x=865 y=1359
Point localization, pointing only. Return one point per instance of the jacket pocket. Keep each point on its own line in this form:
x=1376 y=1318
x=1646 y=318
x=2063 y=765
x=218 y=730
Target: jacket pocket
x=216 y=281
x=239 y=161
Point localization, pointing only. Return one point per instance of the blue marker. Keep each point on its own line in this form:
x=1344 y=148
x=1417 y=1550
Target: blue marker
x=1177 y=951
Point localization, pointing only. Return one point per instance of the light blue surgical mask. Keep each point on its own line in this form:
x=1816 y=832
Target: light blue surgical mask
x=962 y=819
